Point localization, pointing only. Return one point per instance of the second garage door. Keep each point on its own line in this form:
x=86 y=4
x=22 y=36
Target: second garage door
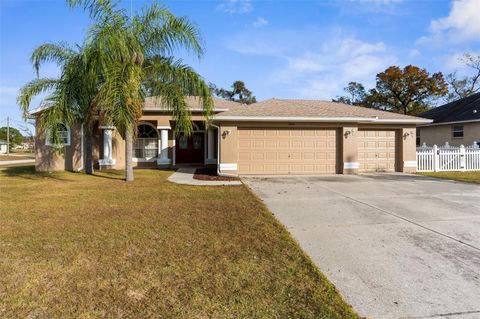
x=287 y=151
x=376 y=150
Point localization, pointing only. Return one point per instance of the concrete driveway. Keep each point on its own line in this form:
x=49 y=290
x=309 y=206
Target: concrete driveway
x=395 y=246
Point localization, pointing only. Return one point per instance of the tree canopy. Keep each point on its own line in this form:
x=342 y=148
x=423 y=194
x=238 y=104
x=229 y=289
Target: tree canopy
x=238 y=93
x=410 y=90
x=16 y=138
x=356 y=94
x=463 y=86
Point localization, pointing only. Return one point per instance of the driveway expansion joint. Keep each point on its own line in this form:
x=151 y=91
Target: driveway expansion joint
x=405 y=219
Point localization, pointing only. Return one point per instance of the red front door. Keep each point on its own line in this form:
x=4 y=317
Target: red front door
x=190 y=149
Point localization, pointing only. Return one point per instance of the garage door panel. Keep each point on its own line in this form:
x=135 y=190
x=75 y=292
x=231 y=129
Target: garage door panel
x=287 y=151
x=376 y=150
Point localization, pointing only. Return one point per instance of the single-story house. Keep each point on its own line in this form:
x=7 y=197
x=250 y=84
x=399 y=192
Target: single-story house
x=3 y=147
x=457 y=123
x=276 y=136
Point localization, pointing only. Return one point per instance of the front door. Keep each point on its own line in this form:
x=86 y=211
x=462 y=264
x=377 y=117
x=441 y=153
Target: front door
x=190 y=149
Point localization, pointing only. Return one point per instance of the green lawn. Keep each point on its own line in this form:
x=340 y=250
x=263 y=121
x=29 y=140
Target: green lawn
x=471 y=176
x=77 y=246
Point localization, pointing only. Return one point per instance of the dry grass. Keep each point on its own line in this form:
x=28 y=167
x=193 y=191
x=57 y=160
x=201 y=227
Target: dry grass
x=470 y=177
x=76 y=246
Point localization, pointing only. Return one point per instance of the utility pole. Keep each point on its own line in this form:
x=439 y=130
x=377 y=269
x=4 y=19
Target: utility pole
x=8 y=135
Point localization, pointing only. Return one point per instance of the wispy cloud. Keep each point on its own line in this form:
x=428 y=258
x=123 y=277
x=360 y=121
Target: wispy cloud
x=461 y=25
x=8 y=90
x=324 y=73
x=235 y=6
x=260 y=22
x=318 y=68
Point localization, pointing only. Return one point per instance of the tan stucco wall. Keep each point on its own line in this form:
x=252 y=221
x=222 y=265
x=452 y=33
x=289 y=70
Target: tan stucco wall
x=439 y=134
x=347 y=144
x=48 y=158
x=347 y=147
x=406 y=153
x=228 y=148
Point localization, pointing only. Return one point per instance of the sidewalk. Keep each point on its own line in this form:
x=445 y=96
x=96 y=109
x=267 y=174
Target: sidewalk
x=17 y=162
x=184 y=176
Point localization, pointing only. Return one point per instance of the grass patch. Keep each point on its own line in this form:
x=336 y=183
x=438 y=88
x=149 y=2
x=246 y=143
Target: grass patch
x=77 y=246
x=470 y=177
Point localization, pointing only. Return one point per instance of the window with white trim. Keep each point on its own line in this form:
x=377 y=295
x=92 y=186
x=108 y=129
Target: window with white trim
x=457 y=132
x=145 y=145
x=63 y=135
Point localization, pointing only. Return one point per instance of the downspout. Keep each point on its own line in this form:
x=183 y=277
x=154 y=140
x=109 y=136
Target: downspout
x=82 y=138
x=218 y=154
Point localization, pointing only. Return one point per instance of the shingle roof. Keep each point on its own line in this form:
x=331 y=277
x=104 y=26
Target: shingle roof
x=466 y=109
x=311 y=108
x=193 y=102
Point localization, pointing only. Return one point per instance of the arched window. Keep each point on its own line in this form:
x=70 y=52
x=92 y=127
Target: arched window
x=146 y=144
x=63 y=135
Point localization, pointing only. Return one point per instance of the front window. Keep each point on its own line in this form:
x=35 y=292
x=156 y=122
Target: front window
x=457 y=132
x=418 y=137
x=197 y=142
x=58 y=137
x=146 y=143
x=183 y=142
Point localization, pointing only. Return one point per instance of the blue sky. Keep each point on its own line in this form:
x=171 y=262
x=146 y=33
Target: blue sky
x=284 y=49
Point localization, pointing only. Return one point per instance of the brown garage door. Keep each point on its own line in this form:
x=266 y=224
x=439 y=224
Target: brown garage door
x=287 y=151
x=376 y=150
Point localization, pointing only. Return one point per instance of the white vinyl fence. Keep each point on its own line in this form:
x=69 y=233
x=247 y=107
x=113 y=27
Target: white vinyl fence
x=448 y=158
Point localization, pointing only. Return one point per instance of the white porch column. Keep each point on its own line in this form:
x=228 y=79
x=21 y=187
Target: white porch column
x=163 y=158
x=107 y=159
x=211 y=158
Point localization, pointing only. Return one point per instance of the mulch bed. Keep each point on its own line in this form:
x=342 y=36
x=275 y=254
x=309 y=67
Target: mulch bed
x=208 y=174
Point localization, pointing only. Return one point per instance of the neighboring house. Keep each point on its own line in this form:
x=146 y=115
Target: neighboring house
x=457 y=123
x=275 y=136
x=3 y=147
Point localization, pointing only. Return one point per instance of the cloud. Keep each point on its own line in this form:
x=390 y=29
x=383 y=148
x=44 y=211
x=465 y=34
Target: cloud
x=461 y=25
x=8 y=90
x=235 y=6
x=325 y=73
x=413 y=53
x=316 y=63
x=260 y=22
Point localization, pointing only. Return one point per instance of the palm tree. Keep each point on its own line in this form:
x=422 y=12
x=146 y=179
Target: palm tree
x=70 y=97
x=134 y=56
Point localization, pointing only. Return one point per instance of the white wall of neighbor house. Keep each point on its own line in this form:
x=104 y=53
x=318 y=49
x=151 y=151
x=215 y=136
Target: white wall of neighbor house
x=439 y=134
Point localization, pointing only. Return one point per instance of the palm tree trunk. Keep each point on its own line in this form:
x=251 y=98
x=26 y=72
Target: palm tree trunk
x=88 y=152
x=128 y=155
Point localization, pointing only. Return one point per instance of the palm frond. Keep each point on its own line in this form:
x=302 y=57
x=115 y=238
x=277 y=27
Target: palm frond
x=165 y=72
x=50 y=52
x=97 y=9
x=120 y=98
x=161 y=33
x=32 y=89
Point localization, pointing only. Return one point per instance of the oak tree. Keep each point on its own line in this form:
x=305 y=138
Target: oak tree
x=409 y=90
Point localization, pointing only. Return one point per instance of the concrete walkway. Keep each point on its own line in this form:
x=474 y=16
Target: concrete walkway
x=395 y=245
x=184 y=176
x=25 y=161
